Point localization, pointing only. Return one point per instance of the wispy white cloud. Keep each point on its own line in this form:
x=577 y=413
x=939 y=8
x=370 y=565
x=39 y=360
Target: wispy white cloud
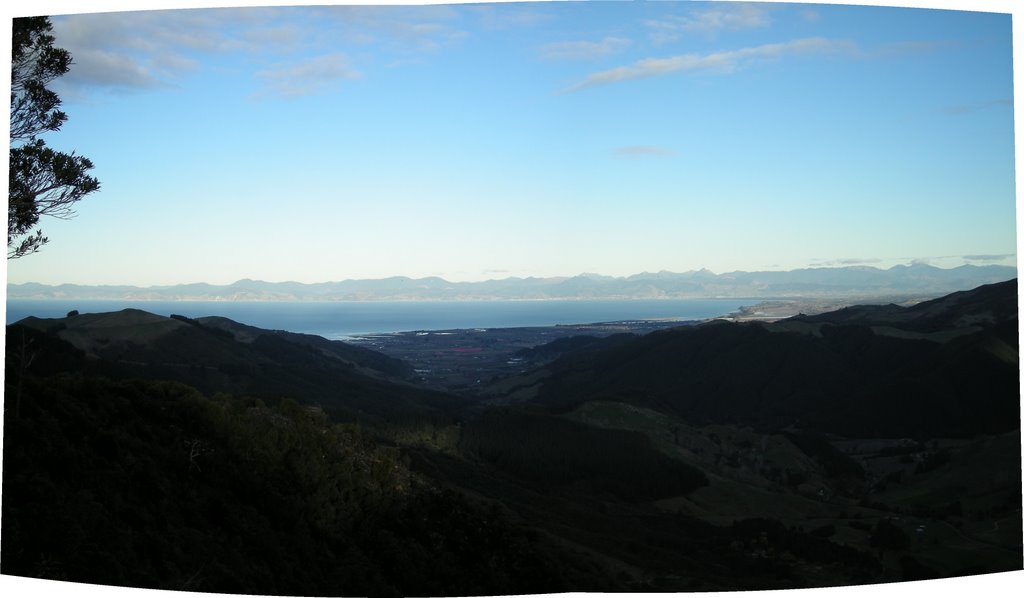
x=725 y=17
x=941 y=261
x=135 y=51
x=644 y=150
x=308 y=76
x=109 y=70
x=809 y=15
x=508 y=16
x=287 y=35
x=415 y=29
x=989 y=257
x=170 y=64
x=142 y=50
x=848 y=261
x=584 y=50
x=722 y=62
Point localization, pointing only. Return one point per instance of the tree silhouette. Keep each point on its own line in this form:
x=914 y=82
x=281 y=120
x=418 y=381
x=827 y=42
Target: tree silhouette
x=43 y=182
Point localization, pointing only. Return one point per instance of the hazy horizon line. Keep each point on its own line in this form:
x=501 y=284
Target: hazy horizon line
x=861 y=265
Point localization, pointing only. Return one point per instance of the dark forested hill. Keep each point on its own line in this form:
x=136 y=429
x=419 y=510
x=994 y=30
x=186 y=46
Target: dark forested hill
x=218 y=355
x=371 y=362
x=861 y=371
x=983 y=307
x=151 y=484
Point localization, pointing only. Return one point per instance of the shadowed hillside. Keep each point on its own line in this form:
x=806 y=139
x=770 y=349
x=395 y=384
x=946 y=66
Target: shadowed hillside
x=151 y=484
x=218 y=355
x=964 y=311
x=835 y=372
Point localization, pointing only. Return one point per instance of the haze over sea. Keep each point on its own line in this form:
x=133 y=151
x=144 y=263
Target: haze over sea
x=342 y=319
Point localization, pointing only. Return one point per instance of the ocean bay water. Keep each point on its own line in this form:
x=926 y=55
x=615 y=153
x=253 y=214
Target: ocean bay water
x=342 y=319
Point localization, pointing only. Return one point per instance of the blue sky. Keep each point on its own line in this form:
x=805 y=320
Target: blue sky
x=539 y=139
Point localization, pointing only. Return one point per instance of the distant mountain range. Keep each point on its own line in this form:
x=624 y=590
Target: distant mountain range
x=854 y=281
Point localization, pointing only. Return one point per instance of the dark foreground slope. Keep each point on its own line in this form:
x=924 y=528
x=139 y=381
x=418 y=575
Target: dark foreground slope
x=151 y=484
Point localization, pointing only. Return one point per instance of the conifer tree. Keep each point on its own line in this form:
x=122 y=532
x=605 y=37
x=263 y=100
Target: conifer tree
x=43 y=182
